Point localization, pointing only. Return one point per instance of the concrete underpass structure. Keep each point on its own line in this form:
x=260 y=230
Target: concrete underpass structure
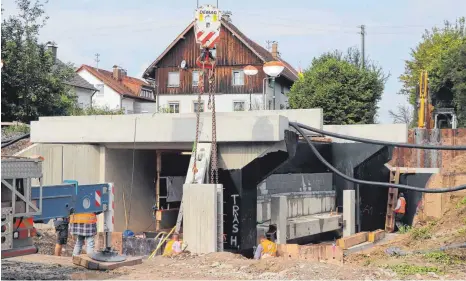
x=262 y=164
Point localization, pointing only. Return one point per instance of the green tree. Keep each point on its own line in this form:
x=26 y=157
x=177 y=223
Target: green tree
x=32 y=85
x=347 y=93
x=437 y=48
x=448 y=86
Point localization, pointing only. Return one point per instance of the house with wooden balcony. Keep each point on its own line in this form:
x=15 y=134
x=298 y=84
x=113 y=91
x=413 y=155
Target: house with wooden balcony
x=176 y=74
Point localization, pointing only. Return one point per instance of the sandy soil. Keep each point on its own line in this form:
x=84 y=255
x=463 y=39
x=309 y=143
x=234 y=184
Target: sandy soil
x=211 y=266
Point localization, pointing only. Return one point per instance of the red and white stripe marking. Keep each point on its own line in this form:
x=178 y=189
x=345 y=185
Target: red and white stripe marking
x=207 y=39
x=98 y=197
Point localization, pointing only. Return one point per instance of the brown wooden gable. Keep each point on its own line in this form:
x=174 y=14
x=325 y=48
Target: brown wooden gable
x=234 y=51
x=230 y=51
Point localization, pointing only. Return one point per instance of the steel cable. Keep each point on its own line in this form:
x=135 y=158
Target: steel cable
x=297 y=126
x=386 y=143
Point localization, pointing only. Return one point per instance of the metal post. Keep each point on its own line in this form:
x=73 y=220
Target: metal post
x=273 y=81
x=250 y=100
x=264 y=93
x=363 y=33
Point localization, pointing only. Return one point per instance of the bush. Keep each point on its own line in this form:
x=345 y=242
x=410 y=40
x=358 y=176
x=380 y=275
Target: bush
x=16 y=129
x=95 y=110
x=421 y=233
x=410 y=269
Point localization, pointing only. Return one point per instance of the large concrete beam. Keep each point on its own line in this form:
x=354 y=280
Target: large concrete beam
x=382 y=132
x=252 y=126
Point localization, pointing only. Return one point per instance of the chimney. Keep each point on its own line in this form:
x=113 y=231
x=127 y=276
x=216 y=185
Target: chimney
x=53 y=50
x=275 y=53
x=226 y=16
x=118 y=73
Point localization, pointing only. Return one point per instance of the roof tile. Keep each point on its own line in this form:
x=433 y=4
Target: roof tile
x=128 y=86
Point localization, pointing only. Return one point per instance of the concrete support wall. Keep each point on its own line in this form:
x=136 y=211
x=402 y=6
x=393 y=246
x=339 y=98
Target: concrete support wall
x=298 y=204
x=383 y=132
x=285 y=183
x=200 y=218
x=349 y=214
x=67 y=162
x=139 y=201
x=279 y=218
x=311 y=225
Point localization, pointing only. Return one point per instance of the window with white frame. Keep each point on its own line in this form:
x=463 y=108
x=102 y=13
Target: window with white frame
x=174 y=107
x=238 y=77
x=195 y=78
x=238 y=105
x=196 y=106
x=100 y=89
x=147 y=94
x=174 y=79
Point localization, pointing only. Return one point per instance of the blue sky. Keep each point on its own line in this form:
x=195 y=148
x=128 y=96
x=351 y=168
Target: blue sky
x=133 y=33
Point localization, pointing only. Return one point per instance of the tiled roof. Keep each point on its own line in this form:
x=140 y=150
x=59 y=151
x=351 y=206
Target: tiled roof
x=289 y=72
x=128 y=86
x=76 y=80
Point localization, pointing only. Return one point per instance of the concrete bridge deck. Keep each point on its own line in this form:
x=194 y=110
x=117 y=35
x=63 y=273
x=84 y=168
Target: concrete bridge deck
x=251 y=147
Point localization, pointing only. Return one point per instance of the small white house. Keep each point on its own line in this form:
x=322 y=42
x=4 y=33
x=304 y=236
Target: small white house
x=117 y=90
x=83 y=90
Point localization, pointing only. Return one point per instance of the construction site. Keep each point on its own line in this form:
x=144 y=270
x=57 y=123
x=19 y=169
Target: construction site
x=326 y=195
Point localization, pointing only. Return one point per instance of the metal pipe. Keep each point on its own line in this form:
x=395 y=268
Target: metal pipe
x=263 y=93
x=273 y=81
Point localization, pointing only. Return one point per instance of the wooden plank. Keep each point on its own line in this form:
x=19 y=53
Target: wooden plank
x=391 y=202
x=350 y=241
x=322 y=252
x=117 y=241
x=375 y=236
x=87 y=262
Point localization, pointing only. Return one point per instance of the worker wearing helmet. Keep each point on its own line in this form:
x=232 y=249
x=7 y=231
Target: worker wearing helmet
x=84 y=228
x=265 y=249
x=400 y=210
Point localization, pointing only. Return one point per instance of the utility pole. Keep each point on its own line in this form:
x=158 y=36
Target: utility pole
x=363 y=33
x=97 y=60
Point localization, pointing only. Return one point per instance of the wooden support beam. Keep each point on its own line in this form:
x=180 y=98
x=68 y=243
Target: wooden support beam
x=87 y=262
x=350 y=241
x=377 y=235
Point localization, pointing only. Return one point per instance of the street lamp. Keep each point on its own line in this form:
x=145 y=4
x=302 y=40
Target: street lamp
x=250 y=71
x=273 y=69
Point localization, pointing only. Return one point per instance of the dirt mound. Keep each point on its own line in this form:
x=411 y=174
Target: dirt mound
x=46 y=243
x=456 y=166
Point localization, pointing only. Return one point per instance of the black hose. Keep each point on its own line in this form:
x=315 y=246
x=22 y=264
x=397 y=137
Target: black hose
x=374 y=183
x=386 y=143
x=12 y=141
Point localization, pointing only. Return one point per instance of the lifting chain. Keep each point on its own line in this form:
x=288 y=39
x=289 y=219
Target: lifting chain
x=198 y=117
x=207 y=58
x=214 y=162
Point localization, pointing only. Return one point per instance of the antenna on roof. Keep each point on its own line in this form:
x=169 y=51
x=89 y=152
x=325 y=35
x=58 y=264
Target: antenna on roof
x=97 y=60
x=269 y=44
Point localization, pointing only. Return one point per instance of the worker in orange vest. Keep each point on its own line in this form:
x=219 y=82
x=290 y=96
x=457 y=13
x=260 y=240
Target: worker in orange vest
x=400 y=210
x=84 y=228
x=265 y=249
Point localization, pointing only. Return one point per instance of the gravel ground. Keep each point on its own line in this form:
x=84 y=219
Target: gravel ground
x=16 y=147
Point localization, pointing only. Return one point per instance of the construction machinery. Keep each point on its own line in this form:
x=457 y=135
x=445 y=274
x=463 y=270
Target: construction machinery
x=24 y=204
